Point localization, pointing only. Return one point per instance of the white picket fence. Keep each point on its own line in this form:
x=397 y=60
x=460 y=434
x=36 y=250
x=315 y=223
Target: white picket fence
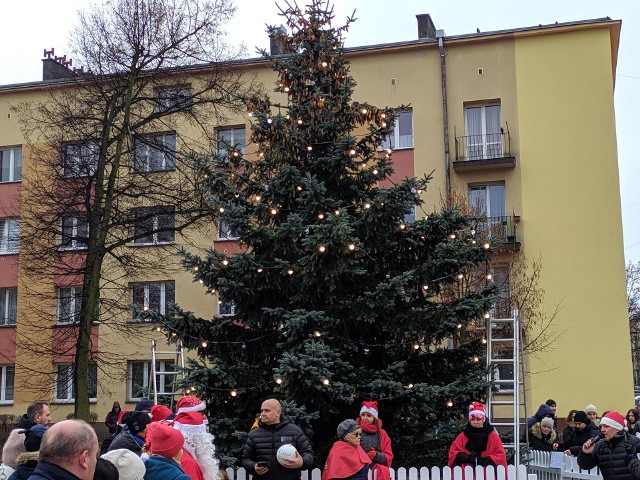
x=558 y=466
x=434 y=473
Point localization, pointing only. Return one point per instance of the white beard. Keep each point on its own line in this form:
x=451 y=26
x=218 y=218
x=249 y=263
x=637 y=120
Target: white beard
x=201 y=448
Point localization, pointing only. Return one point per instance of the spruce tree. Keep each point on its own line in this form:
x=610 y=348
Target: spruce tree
x=337 y=298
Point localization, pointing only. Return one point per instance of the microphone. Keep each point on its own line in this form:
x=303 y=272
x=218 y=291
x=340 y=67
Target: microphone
x=597 y=438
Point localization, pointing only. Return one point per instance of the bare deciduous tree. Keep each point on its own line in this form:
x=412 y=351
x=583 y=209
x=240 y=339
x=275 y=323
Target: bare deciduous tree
x=105 y=151
x=633 y=303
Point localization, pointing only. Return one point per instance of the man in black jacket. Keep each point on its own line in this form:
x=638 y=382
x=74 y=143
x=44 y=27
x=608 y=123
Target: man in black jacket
x=613 y=453
x=263 y=442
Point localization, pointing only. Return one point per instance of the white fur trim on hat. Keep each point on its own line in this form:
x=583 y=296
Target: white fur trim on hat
x=190 y=429
x=372 y=411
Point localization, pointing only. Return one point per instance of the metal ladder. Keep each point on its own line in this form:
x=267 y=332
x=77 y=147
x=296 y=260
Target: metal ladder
x=179 y=362
x=504 y=356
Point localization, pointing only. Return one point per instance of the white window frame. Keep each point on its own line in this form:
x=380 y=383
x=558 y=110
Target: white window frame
x=146 y=146
x=228 y=307
x=155 y=213
x=9 y=236
x=10 y=298
x=88 y=156
x=64 y=393
x=224 y=231
x=77 y=221
x=15 y=173
x=488 y=189
x=4 y=400
x=163 y=380
x=224 y=144
x=75 y=299
x=170 y=98
x=146 y=292
x=483 y=147
x=395 y=140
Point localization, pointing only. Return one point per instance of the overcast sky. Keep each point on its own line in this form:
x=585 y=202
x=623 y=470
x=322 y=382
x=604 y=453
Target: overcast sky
x=30 y=26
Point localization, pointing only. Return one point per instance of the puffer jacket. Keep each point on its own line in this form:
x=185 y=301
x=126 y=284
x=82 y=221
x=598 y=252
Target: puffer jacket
x=27 y=463
x=581 y=436
x=612 y=457
x=543 y=411
x=539 y=441
x=125 y=439
x=263 y=443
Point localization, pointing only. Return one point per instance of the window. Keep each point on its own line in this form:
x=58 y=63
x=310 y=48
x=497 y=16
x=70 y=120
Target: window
x=64 y=382
x=502 y=306
x=8 y=306
x=488 y=200
x=155 y=153
x=80 y=159
x=225 y=232
x=140 y=373
x=482 y=126
x=11 y=164
x=154 y=296
x=9 y=235
x=173 y=99
x=74 y=232
x=153 y=226
x=230 y=139
x=226 y=309
x=69 y=302
x=402 y=135
x=7 y=375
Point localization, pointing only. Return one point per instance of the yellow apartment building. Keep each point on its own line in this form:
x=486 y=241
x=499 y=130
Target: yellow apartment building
x=520 y=122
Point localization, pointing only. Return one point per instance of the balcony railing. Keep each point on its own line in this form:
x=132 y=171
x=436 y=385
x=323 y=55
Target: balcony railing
x=503 y=228
x=483 y=147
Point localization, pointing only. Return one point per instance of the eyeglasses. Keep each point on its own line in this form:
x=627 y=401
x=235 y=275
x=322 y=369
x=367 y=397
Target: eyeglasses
x=356 y=434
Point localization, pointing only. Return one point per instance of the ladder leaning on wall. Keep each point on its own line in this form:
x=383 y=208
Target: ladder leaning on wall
x=506 y=399
x=175 y=375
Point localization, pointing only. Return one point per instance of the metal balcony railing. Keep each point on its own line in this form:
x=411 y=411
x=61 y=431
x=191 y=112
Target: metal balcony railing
x=483 y=147
x=503 y=228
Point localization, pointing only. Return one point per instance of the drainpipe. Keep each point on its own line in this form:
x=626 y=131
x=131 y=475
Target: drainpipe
x=445 y=114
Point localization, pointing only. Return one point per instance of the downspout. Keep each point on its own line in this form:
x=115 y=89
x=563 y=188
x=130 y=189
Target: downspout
x=445 y=113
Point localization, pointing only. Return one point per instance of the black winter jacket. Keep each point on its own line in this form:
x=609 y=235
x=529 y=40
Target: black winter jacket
x=612 y=457
x=539 y=441
x=263 y=443
x=27 y=463
x=124 y=439
x=581 y=436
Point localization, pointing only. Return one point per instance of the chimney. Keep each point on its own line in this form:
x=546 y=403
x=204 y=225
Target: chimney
x=426 y=28
x=55 y=68
x=276 y=42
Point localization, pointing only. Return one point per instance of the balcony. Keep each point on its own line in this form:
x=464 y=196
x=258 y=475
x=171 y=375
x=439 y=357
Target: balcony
x=503 y=228
x=480 y=152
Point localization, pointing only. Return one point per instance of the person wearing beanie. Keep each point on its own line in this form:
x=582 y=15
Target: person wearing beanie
x=544 y=411
x=199 y=458
x=261 y=448
x=38 y=413
x=160 y=413
x=346 y=458
x=165 y=445
x=592 y=413
x=543 y=436
x=127 y=463
x=552 y=405
x=612 y=453
x=133 y=432
x=478 y=443
x=144 y=406
x=375 y=441
x=584 y=430
x=28 y=460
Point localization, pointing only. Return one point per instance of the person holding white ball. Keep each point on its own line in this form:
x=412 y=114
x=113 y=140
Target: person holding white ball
x=277 y=448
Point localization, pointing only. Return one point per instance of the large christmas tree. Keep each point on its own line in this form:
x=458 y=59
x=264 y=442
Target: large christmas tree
x=337 y=299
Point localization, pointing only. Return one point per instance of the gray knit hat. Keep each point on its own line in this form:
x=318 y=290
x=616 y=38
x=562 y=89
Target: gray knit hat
x=346 y=427
x=129 y=465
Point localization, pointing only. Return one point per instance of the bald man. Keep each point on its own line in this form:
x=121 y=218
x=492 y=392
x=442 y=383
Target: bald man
x=69 y=450
x=273 y=431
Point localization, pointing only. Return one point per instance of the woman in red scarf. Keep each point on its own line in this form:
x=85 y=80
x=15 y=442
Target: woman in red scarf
x=346 y=459
x=375 y=441
x=478 y=443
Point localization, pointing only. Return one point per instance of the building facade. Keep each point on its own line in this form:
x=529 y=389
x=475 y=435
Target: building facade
x=519 y=124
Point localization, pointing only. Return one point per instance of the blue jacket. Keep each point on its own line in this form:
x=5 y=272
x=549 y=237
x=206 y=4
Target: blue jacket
x=50 y=471
x=543 y=411
x=160 y=468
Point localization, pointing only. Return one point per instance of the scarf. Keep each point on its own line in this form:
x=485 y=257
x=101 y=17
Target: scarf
x=477 y=438
x=369 y=427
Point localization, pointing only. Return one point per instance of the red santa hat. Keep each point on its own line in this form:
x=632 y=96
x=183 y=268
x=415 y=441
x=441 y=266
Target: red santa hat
x=613 y=420
x=370 y=407
x=160 y=412
x=476 y=409
x=190 y=423
x=190 y=403
x=165 y=441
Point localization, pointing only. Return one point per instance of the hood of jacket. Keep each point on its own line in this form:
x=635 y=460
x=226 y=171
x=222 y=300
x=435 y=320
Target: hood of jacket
x=162 y=468
x=544 y=411
x=537 y=431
